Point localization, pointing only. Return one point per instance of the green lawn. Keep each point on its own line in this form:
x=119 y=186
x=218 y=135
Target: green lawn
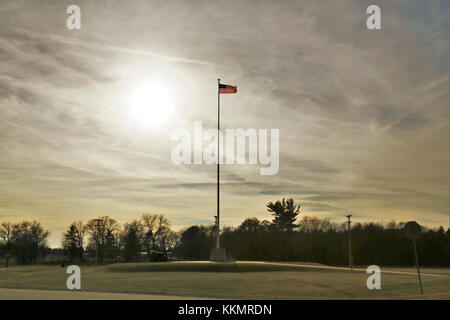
x=235 y=281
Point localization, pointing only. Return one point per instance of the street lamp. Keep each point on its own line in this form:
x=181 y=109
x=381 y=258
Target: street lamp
x=349 y=242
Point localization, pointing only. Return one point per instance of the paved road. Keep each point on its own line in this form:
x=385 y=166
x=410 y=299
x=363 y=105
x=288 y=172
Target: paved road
x=314 y=266
x=31 y=294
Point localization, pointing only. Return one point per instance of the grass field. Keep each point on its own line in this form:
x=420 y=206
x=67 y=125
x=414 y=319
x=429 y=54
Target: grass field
x=243 y=280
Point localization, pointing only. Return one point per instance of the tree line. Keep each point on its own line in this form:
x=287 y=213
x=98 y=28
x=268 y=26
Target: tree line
x=25 y=241
x=148 y=238
x=284 y=238
x=312 y=239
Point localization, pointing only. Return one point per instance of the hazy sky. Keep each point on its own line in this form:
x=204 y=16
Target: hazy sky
x=363 y=114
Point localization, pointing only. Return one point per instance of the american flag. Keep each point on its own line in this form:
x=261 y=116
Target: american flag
x=226 y=88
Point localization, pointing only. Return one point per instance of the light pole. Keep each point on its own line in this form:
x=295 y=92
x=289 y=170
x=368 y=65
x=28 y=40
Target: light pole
x=349 y=242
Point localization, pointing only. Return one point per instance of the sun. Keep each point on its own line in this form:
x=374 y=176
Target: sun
x=152 y=103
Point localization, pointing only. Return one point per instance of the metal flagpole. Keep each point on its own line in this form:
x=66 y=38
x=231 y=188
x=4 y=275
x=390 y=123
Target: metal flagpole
x=218 y=165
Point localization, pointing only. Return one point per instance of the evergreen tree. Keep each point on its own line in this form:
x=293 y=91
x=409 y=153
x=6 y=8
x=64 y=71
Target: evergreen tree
x=285 y=213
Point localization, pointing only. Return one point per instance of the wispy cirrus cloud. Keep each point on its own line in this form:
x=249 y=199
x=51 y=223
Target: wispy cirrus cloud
x=363 y=115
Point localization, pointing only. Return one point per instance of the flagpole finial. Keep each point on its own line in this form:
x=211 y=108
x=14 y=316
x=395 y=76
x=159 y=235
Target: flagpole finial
x=218 y=80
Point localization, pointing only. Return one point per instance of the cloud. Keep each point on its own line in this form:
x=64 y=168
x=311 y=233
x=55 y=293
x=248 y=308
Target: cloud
x=363 y=115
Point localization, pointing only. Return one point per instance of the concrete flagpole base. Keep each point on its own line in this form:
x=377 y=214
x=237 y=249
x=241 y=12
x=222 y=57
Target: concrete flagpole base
x=218 y=255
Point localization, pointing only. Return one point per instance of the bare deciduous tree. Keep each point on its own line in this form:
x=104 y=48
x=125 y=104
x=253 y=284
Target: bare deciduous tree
x=5 y=239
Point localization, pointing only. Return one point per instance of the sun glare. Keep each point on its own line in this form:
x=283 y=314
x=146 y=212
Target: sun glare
x=152 y=103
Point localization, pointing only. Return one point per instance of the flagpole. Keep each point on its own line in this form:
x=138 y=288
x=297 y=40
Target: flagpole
x=218 y=166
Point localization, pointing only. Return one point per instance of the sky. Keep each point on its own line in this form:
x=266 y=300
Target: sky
x=363 y=114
